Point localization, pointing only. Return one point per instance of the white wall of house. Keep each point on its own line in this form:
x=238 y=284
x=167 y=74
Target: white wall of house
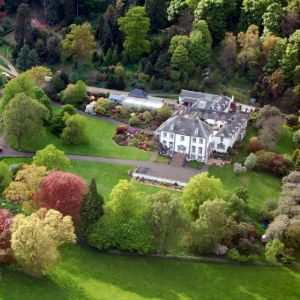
x=195 y=148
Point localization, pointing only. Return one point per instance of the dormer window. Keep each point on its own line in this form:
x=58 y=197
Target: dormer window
x=182 y=138
x=164 y=134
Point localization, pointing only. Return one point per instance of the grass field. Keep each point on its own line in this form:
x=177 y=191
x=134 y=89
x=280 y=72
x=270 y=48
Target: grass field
x=285 y=144
x=99 y=134
x=106 y=175
x=261 y=186
x=87 y=274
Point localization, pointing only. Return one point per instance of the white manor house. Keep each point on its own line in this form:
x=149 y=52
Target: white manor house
x=202 y=125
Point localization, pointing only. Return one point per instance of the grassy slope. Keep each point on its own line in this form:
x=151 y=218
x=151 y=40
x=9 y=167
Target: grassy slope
x=261 y=186
x=100 y=135
x=89 y=274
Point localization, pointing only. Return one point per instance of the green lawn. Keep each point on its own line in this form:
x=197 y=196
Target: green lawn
x=106 y=175
x=100 y=135
x=88 y=274
x=261 y=186
x=285 y=144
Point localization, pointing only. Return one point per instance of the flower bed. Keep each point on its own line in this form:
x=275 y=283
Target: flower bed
x=129 y=136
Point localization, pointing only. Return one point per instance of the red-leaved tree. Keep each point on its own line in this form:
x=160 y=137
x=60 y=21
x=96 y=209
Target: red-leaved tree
x=6 y=220
x=63 y=192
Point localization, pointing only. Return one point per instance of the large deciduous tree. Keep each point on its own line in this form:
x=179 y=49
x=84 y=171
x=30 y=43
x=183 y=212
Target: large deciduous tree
x=136 y=26
x=63 y=192
x=52 y=158
x=200 y=50
x=209 y=229
x=23 y=118
x=23 y=84
x=165 y=219
x=200 y=189
x=124 y=201
x=36 y=238
x=79 y=44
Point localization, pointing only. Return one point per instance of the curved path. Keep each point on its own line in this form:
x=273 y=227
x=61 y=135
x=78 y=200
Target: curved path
x=153 y=168
x=11 y=69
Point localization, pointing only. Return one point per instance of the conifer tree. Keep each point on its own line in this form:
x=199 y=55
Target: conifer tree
x=91 y=210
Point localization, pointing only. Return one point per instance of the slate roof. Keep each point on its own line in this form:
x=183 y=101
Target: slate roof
x=205 y=101
x=235 y=123
x=186 y=126
x=210 y=114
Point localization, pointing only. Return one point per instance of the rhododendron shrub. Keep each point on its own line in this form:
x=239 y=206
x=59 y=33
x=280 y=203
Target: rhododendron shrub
x=61 y=191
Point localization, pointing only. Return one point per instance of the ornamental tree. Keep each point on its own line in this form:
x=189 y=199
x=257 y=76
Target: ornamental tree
x=200 y=189
x=52 y=158
x=36 y=238
x=61 y=191
x=135 y=26
x=5 y=234
x=26 y=184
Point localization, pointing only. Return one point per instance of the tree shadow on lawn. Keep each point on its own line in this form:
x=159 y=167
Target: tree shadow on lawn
x=16 y=285
x=170 y=279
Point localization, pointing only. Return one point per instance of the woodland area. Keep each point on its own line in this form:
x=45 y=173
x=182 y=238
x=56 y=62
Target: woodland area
x=247 y=48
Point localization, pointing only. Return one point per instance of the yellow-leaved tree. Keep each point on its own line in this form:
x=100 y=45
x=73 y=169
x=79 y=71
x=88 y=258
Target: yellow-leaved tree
x=35 y=239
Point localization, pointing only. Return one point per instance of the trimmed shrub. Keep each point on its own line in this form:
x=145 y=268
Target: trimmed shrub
x=133 y=235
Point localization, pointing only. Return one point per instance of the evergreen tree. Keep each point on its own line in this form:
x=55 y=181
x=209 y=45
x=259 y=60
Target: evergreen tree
x=115 y=56
x=109 y=57
x=157 y=12
x=91 y=210
x=27 y=58
x=70 y=12
x=106 y=38
x=23 y=25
